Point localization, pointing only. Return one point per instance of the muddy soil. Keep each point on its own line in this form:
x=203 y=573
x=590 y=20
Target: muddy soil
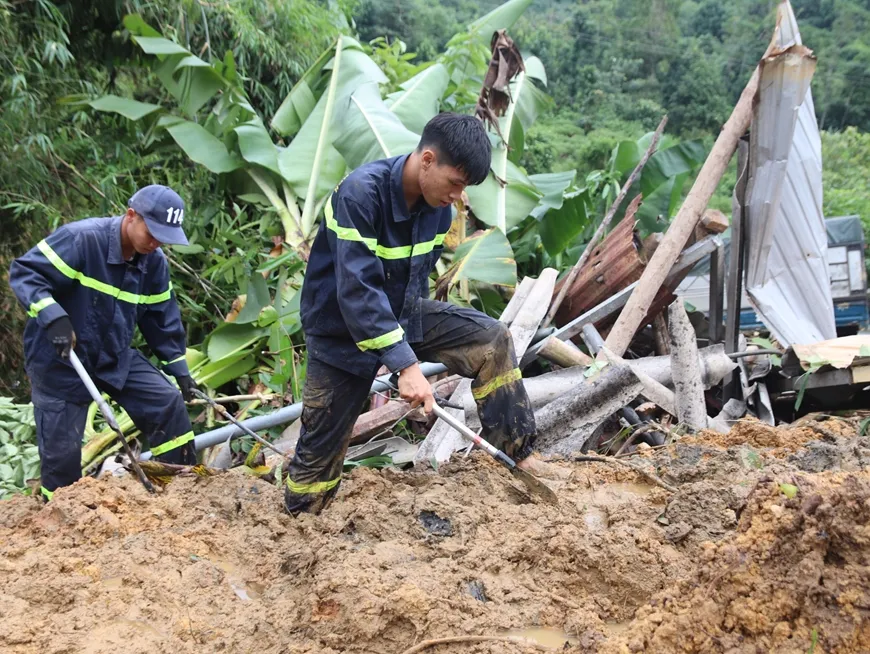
x=729 y=563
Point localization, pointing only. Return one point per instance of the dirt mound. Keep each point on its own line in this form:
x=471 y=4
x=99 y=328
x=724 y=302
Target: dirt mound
x=794 y=579
x=213 y=564
x=728 y=563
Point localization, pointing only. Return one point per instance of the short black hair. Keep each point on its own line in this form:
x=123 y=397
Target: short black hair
x=461 y=141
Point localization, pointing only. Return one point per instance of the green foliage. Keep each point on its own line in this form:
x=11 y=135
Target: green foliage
x=19 y=457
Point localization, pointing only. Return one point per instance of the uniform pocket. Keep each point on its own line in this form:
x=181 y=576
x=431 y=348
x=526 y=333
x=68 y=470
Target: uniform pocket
x=316 y=404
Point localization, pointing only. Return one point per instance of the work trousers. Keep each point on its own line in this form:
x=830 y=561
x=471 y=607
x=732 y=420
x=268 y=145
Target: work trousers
x=149 y=398
x=468 y=342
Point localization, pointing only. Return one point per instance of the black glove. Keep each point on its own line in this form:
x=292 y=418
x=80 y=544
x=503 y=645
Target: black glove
x=61 y=334
x=187 y=386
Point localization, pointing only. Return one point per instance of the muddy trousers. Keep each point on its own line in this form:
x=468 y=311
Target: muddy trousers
x=468 y=342
x=149 y=398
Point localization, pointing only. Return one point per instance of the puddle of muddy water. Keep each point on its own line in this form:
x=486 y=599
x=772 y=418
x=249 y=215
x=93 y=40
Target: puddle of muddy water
x=545 y=636
x=244 y=590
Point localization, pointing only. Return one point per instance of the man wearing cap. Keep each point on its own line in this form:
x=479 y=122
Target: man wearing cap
x=87 y=286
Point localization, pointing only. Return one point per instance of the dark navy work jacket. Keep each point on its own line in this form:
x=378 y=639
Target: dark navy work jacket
x=369 y=265
x=79 y=271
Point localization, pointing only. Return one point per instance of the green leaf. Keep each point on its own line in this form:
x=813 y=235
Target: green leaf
x=520 y=197
x=625 y=157
x=300 y=102
x=789 y=490
x=257 y=297
x=230 y=338
x=203 y=147
x=486 y=257
x=371 y=131
x=864 y=427
x=666 y=164
x=233 y=371
x=131 y=109
x=157 y=45
x=561 y=226
x=188 y=249
x=256 y=146
x=137 y=26
x=500 y=18
x=420 y=97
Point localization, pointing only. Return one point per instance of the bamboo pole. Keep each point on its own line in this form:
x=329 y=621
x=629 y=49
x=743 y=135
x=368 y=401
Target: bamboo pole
x=681 y=228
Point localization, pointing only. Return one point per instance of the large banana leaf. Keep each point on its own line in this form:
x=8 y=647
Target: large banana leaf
x=420 y=97
x=314 y=141
x=203 y=147
x=500 y=18
x=371 y=131
x=131 y=109
x=562 y=212
x=256 y=145
x=485 y=257
x=300 y=102
x=668 y=163
x=492 y=204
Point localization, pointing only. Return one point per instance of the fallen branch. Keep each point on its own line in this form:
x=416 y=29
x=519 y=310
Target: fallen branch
x=593 y=242
x=525 y=642
x=609 y=459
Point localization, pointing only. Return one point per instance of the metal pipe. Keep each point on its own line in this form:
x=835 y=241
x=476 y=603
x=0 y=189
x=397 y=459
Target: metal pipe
x=285 y=414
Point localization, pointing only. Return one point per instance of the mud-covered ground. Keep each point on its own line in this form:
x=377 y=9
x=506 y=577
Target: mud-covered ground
x=765 y=547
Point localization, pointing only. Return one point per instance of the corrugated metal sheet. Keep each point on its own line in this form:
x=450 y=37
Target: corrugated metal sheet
x=786 y=274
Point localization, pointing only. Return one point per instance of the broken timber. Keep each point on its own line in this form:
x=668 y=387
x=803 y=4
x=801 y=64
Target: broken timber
x=691 y=405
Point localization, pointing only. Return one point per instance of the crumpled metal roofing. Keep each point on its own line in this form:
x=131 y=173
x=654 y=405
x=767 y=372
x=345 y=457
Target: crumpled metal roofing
x=786 y=259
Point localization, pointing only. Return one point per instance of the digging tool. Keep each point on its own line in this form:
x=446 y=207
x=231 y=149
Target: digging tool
x=532 y=483
x=226 y=414
x=109 y=416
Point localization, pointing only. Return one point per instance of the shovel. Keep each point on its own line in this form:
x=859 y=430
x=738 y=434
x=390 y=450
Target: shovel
x=109 y=416
x=534 y=485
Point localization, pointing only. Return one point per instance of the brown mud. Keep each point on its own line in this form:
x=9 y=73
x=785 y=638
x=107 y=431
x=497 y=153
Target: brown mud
x=764 y=548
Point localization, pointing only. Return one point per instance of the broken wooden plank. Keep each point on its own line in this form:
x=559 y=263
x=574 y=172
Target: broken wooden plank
x=563 y=353
x=691 y=405
x=687 y=217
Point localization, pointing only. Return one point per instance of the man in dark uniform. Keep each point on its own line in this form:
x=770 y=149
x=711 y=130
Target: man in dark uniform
x=87 y=286
x=365 y=304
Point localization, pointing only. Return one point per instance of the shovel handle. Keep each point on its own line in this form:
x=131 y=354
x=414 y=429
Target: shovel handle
x=104 y=407
x=470 y=435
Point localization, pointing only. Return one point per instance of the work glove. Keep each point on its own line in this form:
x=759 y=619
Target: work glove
x=187 y=386
x=61 y=334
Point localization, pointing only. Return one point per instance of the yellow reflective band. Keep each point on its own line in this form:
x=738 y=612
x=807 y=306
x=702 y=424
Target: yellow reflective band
x=382 y=341
x=316 y=487
x=36 y=307
x=346 y=233
x=178 y=441
x=495 y=384
x=169 y=363
x=95 y=284
x=381 y=251
x=48 y=494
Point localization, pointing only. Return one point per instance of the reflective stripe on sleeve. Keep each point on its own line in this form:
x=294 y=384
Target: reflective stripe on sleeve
x=383 y=341
x=495 y=384
x=48 y=494
x=36 y=307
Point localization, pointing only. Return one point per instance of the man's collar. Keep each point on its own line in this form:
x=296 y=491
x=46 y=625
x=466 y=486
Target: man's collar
x=116 y=255
x=401 y=212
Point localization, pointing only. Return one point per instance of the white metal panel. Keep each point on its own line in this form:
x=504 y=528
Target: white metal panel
x=787 y=273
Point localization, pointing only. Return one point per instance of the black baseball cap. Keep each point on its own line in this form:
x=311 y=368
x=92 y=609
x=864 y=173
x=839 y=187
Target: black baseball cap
x=163 y=212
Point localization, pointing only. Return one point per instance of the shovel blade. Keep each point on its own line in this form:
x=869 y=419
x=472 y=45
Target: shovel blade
x=535 y=486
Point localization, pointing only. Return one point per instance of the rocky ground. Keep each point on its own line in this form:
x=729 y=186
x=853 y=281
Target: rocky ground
x=765 y=547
